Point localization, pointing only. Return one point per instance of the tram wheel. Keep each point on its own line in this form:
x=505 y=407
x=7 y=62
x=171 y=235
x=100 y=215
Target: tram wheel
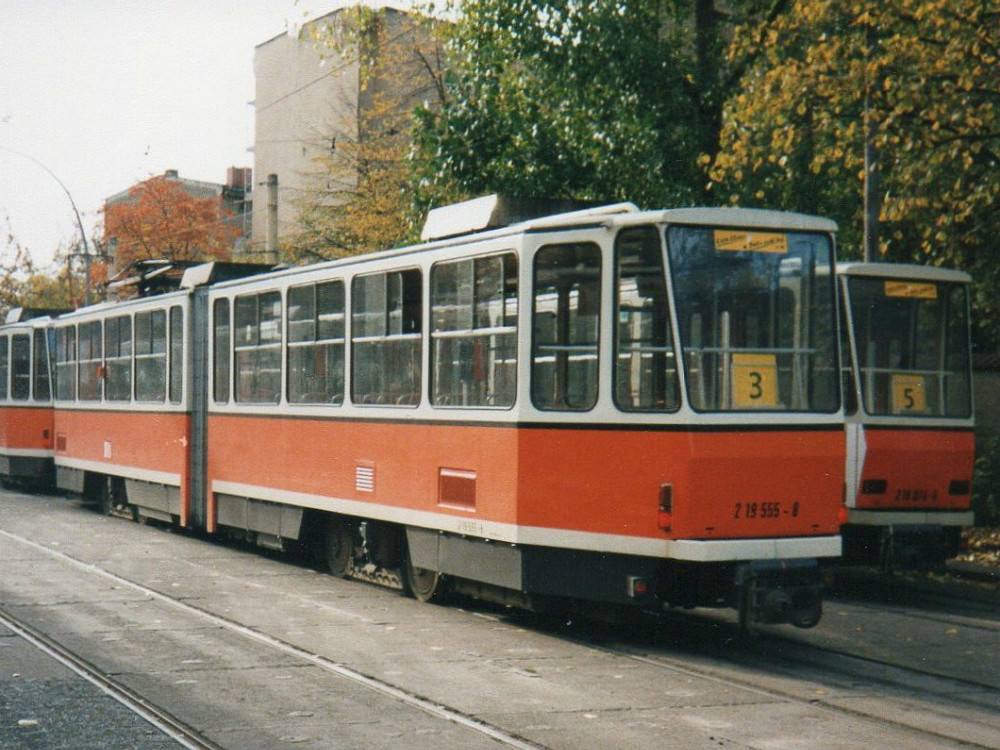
x=105 y=497
x=887 y=553
x=338 y=547
x=745 y=611
x=425 y=585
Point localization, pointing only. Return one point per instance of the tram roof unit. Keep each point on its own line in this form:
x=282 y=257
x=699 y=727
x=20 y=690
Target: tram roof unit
x=756 y=218
x=911 y=271
x=498 y=211
x=25 y=314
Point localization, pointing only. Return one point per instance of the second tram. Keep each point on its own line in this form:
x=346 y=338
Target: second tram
x=910 y=439
x=26 y=435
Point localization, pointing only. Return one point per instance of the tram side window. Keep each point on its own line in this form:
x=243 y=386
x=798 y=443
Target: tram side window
x=316 y=343
x=566 y=326
x=66 y=363
x=40 y=367
x=645 y=365
x=220 y=355
x=176 y=354
x=474 y=332
x=91 y=361
x=386 y=328
x=4 y=365
x=20 y=351
x=956 y=385
x=118 y=358
x=151 y=356
x=257 y=348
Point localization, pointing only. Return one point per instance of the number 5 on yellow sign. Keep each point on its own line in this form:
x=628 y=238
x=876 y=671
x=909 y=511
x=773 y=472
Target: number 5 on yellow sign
x=755 y=381
x=908 y=394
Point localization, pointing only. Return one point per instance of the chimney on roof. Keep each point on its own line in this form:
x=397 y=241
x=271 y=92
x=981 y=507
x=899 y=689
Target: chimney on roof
x=171 y=173
x=238 y=177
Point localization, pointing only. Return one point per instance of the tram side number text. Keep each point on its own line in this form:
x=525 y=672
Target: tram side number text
x=916 y=496
x=753 y=511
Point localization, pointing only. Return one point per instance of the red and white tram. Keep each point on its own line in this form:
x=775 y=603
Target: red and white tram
x=124 y=377
x=610 y=405
x=26 y=399
x=122 y=421
x=910 y=439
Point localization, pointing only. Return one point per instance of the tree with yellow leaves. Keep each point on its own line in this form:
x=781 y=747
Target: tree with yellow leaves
x=918 y=81
x=366 y=204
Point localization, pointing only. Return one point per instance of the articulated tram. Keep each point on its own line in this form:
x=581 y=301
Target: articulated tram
x=910 y=440
x=608 y=405
x=26 y=447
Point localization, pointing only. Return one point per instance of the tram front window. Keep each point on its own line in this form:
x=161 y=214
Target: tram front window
x=912 y=347
x=757 y=318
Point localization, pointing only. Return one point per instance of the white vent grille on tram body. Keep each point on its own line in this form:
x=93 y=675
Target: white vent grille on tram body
x=364 y=478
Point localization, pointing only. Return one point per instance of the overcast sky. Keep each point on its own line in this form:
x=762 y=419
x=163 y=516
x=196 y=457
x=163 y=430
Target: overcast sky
x=106 y=93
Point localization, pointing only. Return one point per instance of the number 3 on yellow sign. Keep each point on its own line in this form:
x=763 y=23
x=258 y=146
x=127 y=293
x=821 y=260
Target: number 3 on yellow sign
x=908 y=394
x=755 y=381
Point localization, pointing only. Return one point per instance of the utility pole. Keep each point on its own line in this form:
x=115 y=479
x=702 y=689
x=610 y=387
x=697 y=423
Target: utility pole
x=871 y=194
x=88 y=258
x=872 y=191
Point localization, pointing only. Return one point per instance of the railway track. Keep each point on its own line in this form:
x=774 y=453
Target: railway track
x=184 y=735
x=767 y=675
x=774 y=660
x=774 y=666
x=176 y=728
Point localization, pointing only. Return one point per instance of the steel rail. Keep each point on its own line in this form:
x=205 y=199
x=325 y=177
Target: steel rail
x=167 y=723
x=373 y=683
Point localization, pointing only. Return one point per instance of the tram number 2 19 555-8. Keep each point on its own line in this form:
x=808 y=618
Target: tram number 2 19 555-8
x=752 y=511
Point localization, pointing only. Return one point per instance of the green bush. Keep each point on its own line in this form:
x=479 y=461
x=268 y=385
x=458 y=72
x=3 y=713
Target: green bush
x=986 y=482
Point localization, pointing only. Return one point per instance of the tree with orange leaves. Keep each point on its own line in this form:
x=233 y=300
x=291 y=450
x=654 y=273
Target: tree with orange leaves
x=160 y=219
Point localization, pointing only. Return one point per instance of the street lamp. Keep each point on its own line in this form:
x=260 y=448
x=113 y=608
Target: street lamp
x=76 y=212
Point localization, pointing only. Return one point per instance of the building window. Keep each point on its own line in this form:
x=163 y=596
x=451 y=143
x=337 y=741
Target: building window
x=566 y=326
x=66 y=363
x=118 y=358
x=91 y=361
x=257 y=348
x=474 y=332
x=645 y=366
x=386 y=338
x=220 y=341
x=316 y=343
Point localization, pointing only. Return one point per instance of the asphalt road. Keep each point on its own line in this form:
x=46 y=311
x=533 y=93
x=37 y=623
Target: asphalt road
x=258 y=653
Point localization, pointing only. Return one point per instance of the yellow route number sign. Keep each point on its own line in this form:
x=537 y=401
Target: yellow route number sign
x=908 y=394
x=755 y=381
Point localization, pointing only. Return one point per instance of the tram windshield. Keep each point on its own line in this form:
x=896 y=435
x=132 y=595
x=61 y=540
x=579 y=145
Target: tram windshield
x=756 y=311
x=911 y=343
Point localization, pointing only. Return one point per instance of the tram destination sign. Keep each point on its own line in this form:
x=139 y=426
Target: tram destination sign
x=750 y=242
